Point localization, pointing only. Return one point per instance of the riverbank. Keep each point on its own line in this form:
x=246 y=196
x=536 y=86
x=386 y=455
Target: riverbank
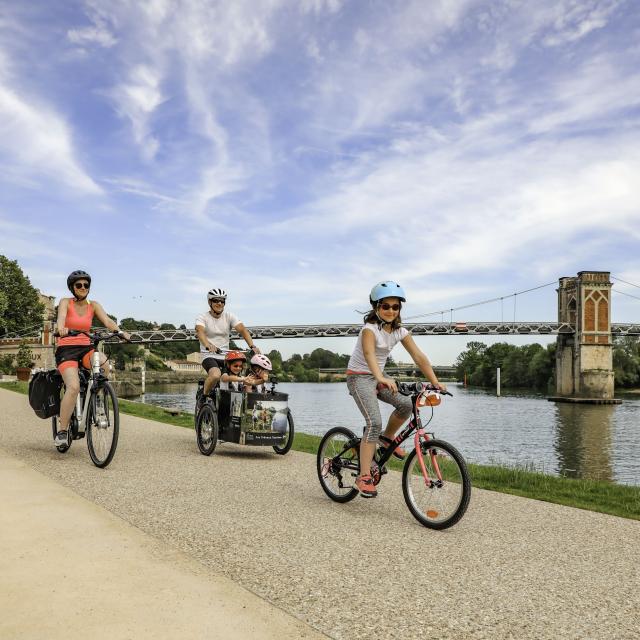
x=592 y=495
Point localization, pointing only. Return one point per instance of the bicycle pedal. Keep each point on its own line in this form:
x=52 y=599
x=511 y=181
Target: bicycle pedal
x=79 y=436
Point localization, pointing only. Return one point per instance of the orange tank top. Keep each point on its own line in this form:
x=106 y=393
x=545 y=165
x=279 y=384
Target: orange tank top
x=77 y=322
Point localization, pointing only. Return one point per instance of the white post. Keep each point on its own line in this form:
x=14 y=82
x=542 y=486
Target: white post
x=498 y=382
x=143 y=372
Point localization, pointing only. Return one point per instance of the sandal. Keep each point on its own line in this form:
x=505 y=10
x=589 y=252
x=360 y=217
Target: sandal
x=398 y=453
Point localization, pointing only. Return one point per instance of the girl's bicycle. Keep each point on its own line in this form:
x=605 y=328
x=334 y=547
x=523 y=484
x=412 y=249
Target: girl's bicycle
x=96 y=413
x=435 y=480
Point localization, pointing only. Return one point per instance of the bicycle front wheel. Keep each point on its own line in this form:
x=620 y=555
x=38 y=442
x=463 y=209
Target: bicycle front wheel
x=207 y=430
x=103 y=425
x=440 y=499
x=288 y=439
x=338 y=464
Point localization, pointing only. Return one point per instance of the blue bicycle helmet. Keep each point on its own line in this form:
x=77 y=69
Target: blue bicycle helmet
x=387 y=289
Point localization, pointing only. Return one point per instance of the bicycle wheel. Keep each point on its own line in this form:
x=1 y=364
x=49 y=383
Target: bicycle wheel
x=286 y=445
x=103 y=425
x=207 y=430
x=63 y=448
x=441 y=501
x=338 y=464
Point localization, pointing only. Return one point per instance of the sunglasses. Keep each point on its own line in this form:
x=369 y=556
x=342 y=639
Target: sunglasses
x=216 y=301
x=81 y=285
x=385 y=306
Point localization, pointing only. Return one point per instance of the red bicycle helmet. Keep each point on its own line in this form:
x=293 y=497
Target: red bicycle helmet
x=235 y=355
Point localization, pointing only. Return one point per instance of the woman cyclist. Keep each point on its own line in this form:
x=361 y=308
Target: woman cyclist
x=213 y=329
x=367 y=382
x=77 y=314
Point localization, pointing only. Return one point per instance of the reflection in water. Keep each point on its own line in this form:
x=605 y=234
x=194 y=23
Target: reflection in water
x=583 y=440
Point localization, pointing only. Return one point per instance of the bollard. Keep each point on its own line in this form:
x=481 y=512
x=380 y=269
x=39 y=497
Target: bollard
x=498 y=382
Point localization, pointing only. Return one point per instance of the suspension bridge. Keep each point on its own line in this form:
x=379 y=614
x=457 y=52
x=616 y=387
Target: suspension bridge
x=584 y=331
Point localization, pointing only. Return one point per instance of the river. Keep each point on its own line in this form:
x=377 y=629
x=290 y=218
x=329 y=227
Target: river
x=522 y=429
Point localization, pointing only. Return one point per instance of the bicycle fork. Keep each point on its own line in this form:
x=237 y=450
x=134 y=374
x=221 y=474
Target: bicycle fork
x=420 y=435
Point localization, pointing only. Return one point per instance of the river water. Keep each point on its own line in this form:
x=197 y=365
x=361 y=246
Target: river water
x=523 y=429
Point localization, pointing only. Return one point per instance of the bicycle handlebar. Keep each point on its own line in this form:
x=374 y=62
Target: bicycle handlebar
x=95 y=337
x=409 y=388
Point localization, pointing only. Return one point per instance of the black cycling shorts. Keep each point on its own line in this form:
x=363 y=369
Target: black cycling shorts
x=73 y=353
x=211 y=361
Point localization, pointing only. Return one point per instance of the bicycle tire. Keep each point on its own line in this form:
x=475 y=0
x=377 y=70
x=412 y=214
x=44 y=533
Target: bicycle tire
x=282 y=449
x=334 y=468
x=207 y=430
x=103 y=425
x=427 y=504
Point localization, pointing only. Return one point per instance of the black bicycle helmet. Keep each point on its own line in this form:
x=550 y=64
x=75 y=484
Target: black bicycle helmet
x=74 y=276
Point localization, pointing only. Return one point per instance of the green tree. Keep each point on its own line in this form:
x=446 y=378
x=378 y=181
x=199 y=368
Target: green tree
x=21 y=311
x=24 y=358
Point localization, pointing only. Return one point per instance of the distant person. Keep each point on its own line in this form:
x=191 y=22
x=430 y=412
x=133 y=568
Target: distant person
x=77 y=314
x=213 y=329
x=367 y=382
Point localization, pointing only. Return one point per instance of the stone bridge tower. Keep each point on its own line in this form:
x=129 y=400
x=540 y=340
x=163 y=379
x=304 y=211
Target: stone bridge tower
x=584 y=358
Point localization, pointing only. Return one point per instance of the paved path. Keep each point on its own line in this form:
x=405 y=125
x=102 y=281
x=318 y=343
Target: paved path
x=512 y=568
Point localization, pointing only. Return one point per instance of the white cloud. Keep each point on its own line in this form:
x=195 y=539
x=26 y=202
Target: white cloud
x=39 y=142
x=92 y=35
x=137 y=99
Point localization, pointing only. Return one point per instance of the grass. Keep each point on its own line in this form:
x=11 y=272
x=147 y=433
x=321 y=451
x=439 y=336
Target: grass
x=592 y=495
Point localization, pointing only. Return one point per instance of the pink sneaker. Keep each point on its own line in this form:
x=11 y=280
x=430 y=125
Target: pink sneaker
x=365 y=486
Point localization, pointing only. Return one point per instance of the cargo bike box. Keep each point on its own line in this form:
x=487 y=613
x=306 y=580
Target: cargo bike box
x=254 y=419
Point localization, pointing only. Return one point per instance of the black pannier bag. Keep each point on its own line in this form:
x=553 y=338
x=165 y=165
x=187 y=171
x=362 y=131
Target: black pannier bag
x=44 y=393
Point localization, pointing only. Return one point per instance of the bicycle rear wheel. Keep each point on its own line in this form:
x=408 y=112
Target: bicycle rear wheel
x=103 y=425
x=288 y=441
x=442 y=500
x=207 y=430
x=338 y=464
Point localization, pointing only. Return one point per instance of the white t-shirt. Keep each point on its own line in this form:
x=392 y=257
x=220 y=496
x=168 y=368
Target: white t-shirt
x=384 y=344
x=217 y=330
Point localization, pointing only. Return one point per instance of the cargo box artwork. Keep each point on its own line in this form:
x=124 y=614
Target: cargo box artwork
x=255 y=418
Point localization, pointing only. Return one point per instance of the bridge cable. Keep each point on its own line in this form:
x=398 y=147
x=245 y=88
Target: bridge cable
x=622 y=293
x=477 y=304
x=629 y=283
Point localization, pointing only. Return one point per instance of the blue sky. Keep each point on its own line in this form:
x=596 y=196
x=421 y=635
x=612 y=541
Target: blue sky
x=296 y=152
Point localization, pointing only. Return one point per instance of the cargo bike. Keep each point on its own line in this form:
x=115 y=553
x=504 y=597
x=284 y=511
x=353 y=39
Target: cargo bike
x=246 y=418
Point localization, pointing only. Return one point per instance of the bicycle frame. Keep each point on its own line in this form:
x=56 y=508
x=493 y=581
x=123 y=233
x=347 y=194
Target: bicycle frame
x=95 y=376
x=421 y=435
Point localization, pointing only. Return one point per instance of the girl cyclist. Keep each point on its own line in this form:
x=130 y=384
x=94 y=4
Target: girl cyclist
x=77 y=314
x=367 y=382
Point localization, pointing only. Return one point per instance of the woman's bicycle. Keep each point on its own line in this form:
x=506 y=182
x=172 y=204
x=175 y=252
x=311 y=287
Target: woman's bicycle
x=435 y=480
x=96 y=412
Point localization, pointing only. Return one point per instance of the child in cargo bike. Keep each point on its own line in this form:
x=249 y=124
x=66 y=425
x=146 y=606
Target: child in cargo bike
x=77 y=314
x=260 y=368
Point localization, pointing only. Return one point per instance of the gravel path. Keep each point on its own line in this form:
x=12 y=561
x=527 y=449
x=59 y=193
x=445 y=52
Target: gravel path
x=512 y=568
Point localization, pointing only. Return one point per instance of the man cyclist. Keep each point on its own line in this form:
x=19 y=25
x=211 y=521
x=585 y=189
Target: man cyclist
x=213 y=329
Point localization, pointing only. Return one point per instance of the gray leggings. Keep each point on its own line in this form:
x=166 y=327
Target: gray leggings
x=363 y=389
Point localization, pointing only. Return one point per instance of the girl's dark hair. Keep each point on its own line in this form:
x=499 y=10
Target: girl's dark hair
x=372 y=318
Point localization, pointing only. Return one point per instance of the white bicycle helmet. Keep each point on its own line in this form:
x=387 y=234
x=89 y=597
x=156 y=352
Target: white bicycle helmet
x=216 y=293
x=262 y=361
